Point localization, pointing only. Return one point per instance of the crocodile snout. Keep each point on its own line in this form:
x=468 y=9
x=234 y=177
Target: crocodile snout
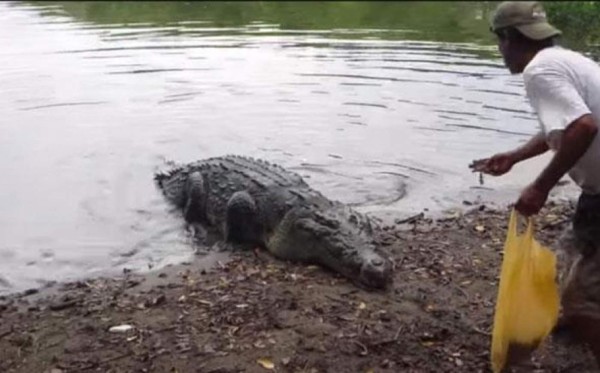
x=376 y=273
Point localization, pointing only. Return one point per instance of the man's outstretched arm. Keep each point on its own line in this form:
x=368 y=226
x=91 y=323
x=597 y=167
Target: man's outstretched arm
x=575 y=141
x=501 y=163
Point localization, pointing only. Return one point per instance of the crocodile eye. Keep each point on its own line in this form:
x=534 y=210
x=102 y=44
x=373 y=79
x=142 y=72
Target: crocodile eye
x=334 y=224
x=311 y=227
x=301 y=224
x=306 y=225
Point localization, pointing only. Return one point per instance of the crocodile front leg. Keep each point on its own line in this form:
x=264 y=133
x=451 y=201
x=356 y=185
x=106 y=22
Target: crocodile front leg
x=242 y=225
x=195 y=208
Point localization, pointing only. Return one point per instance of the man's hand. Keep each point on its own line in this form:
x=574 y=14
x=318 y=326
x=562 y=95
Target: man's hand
x=532 y=200
x=501 y=163
x=497 y=165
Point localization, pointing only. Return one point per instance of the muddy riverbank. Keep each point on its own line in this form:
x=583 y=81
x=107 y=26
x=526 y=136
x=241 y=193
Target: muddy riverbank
x=251 y=313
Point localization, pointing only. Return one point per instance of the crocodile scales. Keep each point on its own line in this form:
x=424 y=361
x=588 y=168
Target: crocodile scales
x=253 y=202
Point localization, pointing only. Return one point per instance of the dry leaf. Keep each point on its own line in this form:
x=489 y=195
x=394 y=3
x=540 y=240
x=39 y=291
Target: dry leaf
x=266 y=363
x=120 y=329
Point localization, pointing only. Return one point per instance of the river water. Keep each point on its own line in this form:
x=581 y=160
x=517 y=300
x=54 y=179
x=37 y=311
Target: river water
x=380 y=106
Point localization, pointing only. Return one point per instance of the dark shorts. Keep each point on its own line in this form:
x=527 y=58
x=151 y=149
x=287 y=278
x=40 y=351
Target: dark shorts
x=586 y=224
x=579 y=262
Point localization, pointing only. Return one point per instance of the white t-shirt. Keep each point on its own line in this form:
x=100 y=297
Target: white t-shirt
x=562 y=86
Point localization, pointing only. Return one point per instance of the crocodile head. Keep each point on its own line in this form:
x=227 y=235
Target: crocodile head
x=342 y=240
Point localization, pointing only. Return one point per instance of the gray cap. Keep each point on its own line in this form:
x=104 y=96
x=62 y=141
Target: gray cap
x=528 y=17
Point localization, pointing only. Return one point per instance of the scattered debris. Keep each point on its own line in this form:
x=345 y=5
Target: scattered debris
x=266 y=363
x=253 y=314
x=62 y=305
x=411 y=219
x=120 y=329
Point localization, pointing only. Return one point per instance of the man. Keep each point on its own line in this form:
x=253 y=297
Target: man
x=563 y=88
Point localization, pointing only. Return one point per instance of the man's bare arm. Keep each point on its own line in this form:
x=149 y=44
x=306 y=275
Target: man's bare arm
x=501 y=163
x=535 y=146
x=575 y=141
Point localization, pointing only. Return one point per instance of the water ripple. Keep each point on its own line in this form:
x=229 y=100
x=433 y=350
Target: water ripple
x=63 y=104
x=93 y=103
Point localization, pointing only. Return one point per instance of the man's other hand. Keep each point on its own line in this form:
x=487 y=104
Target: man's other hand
x=497 y=165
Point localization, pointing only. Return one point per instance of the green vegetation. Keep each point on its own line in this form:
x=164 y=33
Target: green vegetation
x=579 y=21
x=422 y=20
x=415 y=20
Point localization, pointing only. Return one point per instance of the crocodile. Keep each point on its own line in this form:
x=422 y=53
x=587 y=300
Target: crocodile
x=255 y=203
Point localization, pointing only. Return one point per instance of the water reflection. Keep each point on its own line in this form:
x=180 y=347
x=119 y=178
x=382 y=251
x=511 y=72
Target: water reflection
x=380 y=105
x=423 y=20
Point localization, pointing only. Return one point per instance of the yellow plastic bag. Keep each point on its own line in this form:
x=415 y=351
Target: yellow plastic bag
x=528 y=300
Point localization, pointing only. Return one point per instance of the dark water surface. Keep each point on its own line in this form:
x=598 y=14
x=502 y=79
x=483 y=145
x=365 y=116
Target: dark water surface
x=381 y=105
